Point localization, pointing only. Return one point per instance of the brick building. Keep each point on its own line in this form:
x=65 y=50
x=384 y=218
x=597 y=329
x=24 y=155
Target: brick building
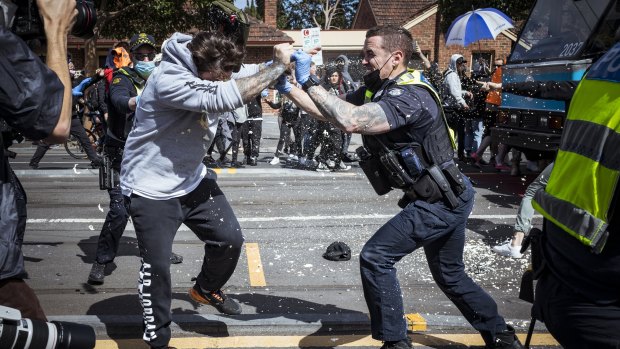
x=420 y=17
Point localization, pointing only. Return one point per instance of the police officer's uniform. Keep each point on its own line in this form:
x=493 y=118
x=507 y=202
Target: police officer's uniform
x=126 y=83
x=578 y=294
x=430 y=221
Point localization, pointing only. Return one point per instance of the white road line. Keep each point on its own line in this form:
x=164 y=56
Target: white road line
x=275 y=219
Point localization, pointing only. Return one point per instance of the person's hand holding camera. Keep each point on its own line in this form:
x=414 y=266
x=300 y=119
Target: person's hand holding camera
x=58 y=19
x=58 y=15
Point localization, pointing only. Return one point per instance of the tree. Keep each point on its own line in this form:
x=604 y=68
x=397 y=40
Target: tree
x=120 y=19
x=326 y=14
x=253 y=10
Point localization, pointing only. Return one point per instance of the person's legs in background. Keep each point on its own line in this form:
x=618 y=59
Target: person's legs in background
x=42 y=148
x=525 y=213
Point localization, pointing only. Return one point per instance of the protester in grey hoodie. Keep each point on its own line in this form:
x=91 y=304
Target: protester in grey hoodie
x=163 y=175
x=453 y=101
x=452 y=93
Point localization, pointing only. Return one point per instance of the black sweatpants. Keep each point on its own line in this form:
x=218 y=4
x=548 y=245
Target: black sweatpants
x=208 y=214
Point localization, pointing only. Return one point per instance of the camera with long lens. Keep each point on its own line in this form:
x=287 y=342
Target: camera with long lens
x=28 y=25
x=18 y=333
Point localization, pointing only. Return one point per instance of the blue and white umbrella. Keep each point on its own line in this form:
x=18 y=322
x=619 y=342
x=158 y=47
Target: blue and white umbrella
x=485 y=23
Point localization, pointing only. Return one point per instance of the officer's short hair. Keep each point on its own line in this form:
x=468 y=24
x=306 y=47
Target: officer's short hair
x=394 y=38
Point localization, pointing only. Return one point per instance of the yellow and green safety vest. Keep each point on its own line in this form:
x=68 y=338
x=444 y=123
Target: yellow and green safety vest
x=585 y=176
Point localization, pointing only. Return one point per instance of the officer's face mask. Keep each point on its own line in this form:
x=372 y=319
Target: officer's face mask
x=144 y=69
x=373 y=79
x=7 y=13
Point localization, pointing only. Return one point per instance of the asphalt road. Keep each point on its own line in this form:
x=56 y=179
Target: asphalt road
x=290 y=295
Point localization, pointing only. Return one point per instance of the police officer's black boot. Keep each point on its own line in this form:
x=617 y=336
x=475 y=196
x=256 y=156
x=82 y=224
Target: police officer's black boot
x=97 y=274
x=506 y=340
x=401 y=344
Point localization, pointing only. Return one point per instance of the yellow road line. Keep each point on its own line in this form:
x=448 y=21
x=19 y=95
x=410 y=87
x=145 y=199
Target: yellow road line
x=255 y=266
x=457 y=340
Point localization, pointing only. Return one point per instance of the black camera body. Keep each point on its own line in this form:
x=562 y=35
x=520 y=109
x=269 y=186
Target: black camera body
x=29 y=26
x=18 y=333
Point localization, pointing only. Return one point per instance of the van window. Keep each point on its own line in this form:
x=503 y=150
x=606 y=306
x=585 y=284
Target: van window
x=558 y=29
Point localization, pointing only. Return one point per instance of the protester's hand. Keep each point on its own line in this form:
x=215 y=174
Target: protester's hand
x=282 y=85
x=302 y=65
x=282 y=53
x=77 y=90
x=494 y=85
x=417 y=49
x=58 y=14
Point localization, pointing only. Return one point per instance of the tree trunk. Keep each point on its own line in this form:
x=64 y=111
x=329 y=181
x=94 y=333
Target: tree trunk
x=91 y=61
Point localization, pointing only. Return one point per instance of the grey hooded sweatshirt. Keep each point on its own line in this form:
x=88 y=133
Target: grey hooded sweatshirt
x=451 y=91
x=174 y=125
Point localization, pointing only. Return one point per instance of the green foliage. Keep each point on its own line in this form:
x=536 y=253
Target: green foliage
x=450 y=9
x=253 y=10
x=119 y=19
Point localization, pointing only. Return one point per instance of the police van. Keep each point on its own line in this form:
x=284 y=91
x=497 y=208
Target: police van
x=559 y=41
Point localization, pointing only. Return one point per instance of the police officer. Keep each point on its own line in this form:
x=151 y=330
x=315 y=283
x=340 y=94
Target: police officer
x=401 y=121
x=127 y=84
x=578 y=293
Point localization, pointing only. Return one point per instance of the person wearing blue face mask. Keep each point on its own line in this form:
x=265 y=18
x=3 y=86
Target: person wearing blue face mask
x=125 y=89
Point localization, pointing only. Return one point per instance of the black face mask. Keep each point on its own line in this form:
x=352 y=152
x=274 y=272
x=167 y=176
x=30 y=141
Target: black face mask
x=373 y=79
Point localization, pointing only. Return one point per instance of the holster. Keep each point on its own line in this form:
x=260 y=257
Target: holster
x=376 y=175
x=107 y=175
x=537 y=265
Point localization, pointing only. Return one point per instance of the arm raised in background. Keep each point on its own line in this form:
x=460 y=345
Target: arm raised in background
x=58 y=18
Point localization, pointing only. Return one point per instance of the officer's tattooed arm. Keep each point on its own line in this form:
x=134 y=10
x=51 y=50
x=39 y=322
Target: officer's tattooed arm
x=365 y=119
x=251 y=86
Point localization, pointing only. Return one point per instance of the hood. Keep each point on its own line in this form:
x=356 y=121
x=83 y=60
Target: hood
x=174 y=50
x=453 y=60
x=345 y=60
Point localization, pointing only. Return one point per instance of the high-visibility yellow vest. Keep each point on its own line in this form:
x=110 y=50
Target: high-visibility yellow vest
x=587 y=167
x=415 y=77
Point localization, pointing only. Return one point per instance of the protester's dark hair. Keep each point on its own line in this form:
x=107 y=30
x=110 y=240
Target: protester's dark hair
x=212 y=51
x=394 y=38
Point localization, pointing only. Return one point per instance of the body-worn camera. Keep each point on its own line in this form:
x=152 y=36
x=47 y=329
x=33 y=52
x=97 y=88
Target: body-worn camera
x=28 y=24
x=18 y=333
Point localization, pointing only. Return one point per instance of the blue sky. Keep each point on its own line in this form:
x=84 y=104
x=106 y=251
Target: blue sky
x=240 y=3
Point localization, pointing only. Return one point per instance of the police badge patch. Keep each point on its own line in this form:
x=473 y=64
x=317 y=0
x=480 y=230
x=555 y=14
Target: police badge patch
x=395 y=92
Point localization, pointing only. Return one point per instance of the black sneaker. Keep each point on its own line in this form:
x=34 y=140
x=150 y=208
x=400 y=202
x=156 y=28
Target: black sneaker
x=236 y=164
x=176 y=258
x=401 y=344
x=97 y=274
x=34 y=166
x=216 y=299
x=506 y=340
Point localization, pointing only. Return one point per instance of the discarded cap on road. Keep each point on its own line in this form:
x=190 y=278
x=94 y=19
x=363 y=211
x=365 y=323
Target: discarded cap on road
x=337 y=251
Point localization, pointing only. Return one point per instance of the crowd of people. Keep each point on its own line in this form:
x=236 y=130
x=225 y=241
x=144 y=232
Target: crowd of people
x=166 y=115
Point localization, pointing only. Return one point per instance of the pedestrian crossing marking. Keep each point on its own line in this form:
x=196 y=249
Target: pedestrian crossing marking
x=255 y=266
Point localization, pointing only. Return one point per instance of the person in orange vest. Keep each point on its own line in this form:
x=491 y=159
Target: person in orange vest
x=492 y=103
